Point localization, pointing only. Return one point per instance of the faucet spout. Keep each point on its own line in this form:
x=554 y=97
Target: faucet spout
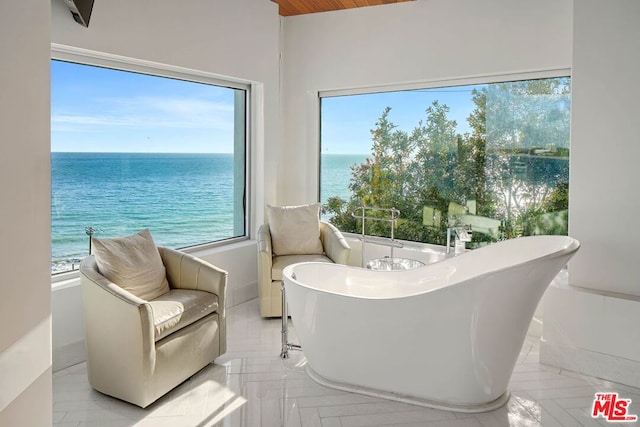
x=461 y=235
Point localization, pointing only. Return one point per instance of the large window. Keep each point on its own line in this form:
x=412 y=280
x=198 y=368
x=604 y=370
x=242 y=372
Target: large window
x=491 y=157
x=133 y=150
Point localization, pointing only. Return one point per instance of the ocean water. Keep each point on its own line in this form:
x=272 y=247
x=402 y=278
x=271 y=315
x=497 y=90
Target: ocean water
x=184 y=199
x=335 y=174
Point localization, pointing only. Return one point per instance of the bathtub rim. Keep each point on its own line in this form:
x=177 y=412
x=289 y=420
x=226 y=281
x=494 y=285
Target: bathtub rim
x=497 y=403
x=448 y=265
x=287 y=277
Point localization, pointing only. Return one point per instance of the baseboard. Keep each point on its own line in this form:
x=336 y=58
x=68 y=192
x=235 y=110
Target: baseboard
x=240 y=294
x=535 y=328
x=69 y=355
x=599 y=365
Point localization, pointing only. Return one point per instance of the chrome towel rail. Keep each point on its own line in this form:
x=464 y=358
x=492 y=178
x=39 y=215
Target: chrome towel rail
x=392 y=218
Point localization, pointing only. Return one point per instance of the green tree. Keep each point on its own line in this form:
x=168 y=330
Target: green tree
x=523 y=119
x=513 y=164
x=472 y=159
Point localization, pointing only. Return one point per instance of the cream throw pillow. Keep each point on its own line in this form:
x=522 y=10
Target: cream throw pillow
x=133 y=263
x=295 y=230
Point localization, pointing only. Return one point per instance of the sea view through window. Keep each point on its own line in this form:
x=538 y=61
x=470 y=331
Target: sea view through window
x=493 y=158
x=133 y=150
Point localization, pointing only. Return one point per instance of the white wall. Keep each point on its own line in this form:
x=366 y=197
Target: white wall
x=238 y=39
x=606 y=145
x=68 y=346
x=593 y=328
x=25 y=314
x=419 y=41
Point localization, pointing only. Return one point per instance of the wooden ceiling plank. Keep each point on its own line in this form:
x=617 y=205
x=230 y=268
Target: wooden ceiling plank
x=362 y=3
x=299 y=7
x=285 y=8
x=292 y=7
x=333 y=4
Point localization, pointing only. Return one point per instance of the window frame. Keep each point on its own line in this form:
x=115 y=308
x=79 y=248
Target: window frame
x=443 y=83
x=140 y=66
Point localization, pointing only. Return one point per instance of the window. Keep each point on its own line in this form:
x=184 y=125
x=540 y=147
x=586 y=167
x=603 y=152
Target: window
x=492 y=157
x=154 y=149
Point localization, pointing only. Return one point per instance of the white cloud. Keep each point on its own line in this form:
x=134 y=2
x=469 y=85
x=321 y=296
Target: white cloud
x=147 y=112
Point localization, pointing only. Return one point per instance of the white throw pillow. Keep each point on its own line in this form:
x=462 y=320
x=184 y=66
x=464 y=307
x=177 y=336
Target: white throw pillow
x=133 y=263
x=295 y=230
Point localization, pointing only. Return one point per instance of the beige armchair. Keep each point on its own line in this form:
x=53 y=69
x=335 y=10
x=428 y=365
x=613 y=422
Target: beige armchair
x=137 y=349
x=270 y=266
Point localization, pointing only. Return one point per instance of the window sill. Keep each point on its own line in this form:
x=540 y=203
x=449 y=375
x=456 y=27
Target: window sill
x=72 y=278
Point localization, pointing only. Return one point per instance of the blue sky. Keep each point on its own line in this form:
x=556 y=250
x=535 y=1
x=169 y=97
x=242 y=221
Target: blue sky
x=347 y=120
x=99 y=110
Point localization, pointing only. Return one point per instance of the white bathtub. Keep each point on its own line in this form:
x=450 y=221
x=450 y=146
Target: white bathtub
x=446 y=335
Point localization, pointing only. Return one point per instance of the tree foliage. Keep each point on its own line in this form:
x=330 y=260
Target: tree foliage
x=513 y=164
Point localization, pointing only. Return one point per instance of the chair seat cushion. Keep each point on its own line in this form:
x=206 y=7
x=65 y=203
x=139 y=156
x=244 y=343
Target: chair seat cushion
x=280 y=262
x=179 y=308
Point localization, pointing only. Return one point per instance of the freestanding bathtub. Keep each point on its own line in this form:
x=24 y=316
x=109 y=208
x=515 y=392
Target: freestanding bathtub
x=446 y=335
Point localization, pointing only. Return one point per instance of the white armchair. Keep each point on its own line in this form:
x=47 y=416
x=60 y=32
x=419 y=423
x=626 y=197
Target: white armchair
x=270 y=266
x=138 y=349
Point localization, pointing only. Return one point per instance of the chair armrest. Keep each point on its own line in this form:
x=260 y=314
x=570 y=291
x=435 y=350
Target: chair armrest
x=184 y=271
x=118 y=324
x=265 y=255
x=335 y=245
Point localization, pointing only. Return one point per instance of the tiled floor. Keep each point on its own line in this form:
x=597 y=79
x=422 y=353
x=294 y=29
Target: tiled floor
x=251 y=386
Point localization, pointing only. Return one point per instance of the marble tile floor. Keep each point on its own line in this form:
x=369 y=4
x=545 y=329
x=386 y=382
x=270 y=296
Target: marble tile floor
x=251 y=386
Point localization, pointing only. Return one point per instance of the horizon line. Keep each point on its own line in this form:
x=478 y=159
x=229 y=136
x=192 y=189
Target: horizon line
x=183 y=152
